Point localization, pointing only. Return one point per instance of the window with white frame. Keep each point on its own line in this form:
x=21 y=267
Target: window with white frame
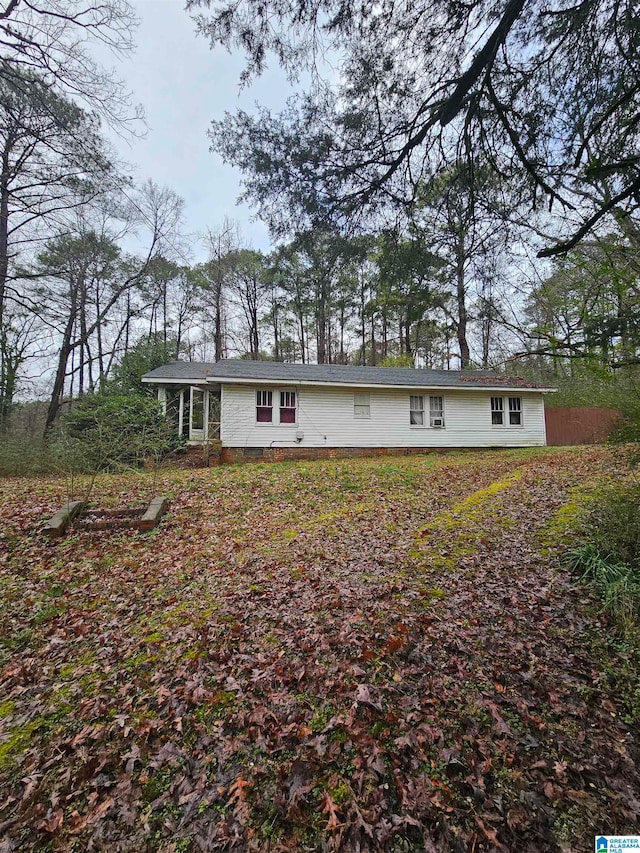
x=515 y=411
x=287 y=407
x=362 y=405
x=264 y=407
x=497 y=411
x=436 y=412
x=416 y=410
x=509 y=415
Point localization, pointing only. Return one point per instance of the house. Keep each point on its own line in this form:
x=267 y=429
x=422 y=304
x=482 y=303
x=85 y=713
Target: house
x=266 y=409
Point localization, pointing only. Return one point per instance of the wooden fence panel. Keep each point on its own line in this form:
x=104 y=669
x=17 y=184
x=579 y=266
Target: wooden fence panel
x=579 y=425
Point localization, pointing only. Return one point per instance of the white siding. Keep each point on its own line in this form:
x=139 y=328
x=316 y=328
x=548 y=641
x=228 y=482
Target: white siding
x=326 y=417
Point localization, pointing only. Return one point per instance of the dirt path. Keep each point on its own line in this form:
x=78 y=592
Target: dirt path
x=364 y=655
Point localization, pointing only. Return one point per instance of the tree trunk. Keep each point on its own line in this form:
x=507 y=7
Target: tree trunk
x=178 y=336
x=164 y=313
x=407 y=337
x=302 y=337
x=82 y=311
x=101 y=375
x=486 y=331
x=127 y=324
x=321 y=335
x=461 y=294
x=61 y=371
x=218 y=318
x=276 y=332
x=373 y=340
x=254 y=342
x=90 y=368
x=5 y=385
x=363 y=328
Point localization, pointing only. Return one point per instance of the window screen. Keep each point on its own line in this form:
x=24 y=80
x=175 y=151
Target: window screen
x=361 y=405
x=264 y=407
x=515 y=411
x=436 y=411
x=497 y=410
x=287 y=407
x=416 y=410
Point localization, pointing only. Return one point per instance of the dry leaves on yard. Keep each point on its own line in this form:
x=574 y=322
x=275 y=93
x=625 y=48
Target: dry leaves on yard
x=346 y=655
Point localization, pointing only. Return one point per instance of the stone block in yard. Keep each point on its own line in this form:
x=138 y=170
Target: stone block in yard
x=58 y=523
x=152 y=516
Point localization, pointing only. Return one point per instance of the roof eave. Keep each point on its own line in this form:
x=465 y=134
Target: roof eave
x=224 y=380
x=235 y=380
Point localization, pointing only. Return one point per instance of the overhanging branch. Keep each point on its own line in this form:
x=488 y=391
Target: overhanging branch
x=565 y=246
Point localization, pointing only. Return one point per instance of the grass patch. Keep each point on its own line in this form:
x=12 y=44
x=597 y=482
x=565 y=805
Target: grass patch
x=568 y=518
x=477 y=501
x=18 y=740
x=6 y=708
x=608 y=560
x=19 y=641
x=455 y=533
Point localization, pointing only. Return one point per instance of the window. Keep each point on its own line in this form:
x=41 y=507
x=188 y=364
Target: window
x=361 y=405
x=515 y=411
x=514 y=408
x=197 y=410
x=264 y=407
x=287 y=407
x=174 y=397
x=436 y=411
x=286 y=403
x=416 y=410
x=186 y=409
x=214 y=414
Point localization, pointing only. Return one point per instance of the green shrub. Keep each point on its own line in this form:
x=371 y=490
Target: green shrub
x=402 y=360
x=613 y=524
x=109 y=432
x=147 y=354
x=590 y=386
x=22 y=456
x=588 y=562
x=622 y=600
x=609 y=559
x=628 y=427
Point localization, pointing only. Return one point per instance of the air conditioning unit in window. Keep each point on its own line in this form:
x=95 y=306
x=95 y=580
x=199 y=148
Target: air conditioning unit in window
x=437 y=423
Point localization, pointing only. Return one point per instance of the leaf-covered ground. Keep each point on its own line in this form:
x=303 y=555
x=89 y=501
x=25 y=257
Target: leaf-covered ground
x=346 y=655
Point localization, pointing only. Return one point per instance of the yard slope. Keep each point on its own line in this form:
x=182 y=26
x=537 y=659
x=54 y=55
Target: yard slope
x=349 y=655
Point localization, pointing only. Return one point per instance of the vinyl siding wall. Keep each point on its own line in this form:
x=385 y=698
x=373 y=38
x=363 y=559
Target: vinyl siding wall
x=326 y=417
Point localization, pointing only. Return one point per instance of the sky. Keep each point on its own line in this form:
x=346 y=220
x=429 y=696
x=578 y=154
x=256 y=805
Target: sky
x=182 y=85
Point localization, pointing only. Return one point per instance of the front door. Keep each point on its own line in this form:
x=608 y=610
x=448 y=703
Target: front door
x=213 y=427
x=196 y=414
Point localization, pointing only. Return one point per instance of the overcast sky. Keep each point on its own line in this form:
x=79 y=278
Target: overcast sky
x=182 y=85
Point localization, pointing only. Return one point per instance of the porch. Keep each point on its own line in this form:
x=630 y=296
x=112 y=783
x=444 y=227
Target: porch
x=194 y=411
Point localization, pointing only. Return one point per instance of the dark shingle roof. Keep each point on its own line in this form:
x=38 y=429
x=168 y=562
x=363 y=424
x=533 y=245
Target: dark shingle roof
x=338 y=374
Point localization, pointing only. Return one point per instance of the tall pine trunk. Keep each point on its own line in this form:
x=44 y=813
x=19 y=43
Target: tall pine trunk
x=461 y=300
x=7 y=385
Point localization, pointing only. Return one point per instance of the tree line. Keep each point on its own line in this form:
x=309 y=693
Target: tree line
x=89 y=307
x=397 y=257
